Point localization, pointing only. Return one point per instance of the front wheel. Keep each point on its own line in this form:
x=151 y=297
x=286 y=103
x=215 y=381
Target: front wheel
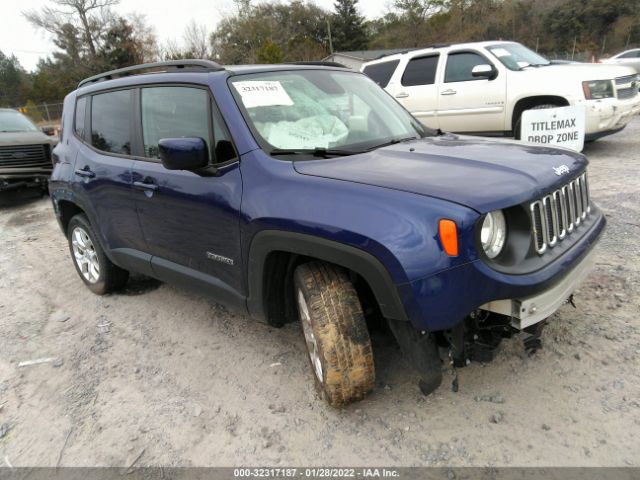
x=335 y=333
x=97 y=272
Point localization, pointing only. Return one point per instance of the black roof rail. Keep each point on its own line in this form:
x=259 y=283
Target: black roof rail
x=402 y=52
x=320 y=63
x=202 y=65
x=399 y=52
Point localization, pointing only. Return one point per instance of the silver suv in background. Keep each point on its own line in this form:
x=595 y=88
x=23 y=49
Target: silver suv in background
x=628 y=58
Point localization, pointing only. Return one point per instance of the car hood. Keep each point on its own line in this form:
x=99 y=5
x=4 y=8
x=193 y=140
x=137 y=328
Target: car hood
x=482 y=174
x=25 y=138
x=580 y=71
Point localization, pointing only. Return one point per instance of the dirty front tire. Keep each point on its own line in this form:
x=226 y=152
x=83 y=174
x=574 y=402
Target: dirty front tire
x=335 y=333
x=97 y=272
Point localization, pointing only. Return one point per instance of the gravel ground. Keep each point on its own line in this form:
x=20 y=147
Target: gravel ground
x=158 y=370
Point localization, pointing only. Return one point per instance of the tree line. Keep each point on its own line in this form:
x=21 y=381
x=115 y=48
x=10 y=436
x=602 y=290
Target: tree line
x=91 y=37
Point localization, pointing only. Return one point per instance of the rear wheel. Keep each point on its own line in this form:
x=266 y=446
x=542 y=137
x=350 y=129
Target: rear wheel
x=335 y=333
x=98 y=273
x=518 y=127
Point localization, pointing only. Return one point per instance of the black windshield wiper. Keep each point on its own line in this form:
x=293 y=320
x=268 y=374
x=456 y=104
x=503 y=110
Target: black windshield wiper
x=393 y=141
x=316 y=152
x=328 y=152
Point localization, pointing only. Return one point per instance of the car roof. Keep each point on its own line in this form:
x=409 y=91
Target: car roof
x=436 y=48
x=244 y=69
x=141 y=74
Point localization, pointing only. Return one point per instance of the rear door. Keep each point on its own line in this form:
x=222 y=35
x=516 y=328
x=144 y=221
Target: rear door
x=417 y=90
x=467 y=103
x=190 y=221
x=103 y=131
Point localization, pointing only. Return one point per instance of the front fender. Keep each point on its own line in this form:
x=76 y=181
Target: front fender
x=387 y=236
x=355 y=259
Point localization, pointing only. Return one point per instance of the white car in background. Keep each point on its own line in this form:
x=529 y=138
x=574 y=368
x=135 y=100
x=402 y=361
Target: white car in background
x=628 y=58
x=483 y=88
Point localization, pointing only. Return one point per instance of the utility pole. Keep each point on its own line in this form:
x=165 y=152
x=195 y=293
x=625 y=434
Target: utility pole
x=330 y=42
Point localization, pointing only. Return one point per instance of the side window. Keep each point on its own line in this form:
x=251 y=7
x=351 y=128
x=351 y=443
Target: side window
x=111 y=122
x=630 y=54
x=78 y=123
x=171 y=112
x=420 y=71
x=459 y=66
x=381 y=72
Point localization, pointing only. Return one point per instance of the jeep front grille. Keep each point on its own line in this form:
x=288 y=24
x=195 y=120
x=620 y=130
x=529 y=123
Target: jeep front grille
x=24 y=156
x=559 y=214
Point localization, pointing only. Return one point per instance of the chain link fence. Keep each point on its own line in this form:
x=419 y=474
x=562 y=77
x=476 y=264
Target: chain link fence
x=570 y=56
x=42 y=114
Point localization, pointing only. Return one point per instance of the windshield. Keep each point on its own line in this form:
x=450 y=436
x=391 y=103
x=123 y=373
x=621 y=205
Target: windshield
x=516 y=57
x=321 y=109
x=11 y=121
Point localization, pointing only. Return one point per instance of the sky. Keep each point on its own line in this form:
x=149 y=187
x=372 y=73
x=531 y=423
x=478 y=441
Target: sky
x=168 y=17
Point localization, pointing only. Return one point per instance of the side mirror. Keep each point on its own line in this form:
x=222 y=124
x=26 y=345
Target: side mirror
x=484 y=71
x=188 y=153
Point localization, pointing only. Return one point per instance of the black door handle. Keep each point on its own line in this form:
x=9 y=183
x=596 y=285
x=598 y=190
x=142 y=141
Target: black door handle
x=85 y=172
x=145 y=186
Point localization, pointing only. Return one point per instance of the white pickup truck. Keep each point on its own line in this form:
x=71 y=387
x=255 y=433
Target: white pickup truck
x=484 y=87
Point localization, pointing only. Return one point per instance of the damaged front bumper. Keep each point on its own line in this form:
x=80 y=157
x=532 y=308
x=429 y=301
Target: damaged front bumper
x=442 y=301
x=608 y=116
x=530 y=310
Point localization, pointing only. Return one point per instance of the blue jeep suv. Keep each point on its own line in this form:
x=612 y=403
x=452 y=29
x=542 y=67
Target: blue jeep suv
x=306 y=193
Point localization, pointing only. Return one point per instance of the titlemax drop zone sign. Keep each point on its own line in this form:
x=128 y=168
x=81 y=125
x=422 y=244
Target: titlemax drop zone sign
x=562 y=126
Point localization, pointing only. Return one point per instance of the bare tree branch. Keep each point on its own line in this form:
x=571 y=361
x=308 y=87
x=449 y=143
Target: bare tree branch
x=91 y=17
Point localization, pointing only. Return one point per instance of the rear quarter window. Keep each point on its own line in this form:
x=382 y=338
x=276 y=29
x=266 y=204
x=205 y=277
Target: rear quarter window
x=111 y=121
x=79 y=117
x=381 y=72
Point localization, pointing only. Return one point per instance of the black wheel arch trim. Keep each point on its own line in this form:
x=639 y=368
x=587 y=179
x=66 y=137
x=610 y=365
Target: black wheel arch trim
x=63 y=194
x=352 y=258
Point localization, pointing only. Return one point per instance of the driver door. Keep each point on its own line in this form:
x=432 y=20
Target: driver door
x=190 y=221
x=467 y=103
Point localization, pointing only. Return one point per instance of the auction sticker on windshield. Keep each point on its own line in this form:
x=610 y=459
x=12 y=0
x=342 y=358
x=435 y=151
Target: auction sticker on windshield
x=562 y=126
x=262 y=93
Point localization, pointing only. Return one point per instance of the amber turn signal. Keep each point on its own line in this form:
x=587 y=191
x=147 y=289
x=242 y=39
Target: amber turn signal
x=449 y=237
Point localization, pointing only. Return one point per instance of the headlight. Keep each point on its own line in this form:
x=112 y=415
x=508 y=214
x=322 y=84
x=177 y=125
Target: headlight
x=597 y=89
x=493 y=233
